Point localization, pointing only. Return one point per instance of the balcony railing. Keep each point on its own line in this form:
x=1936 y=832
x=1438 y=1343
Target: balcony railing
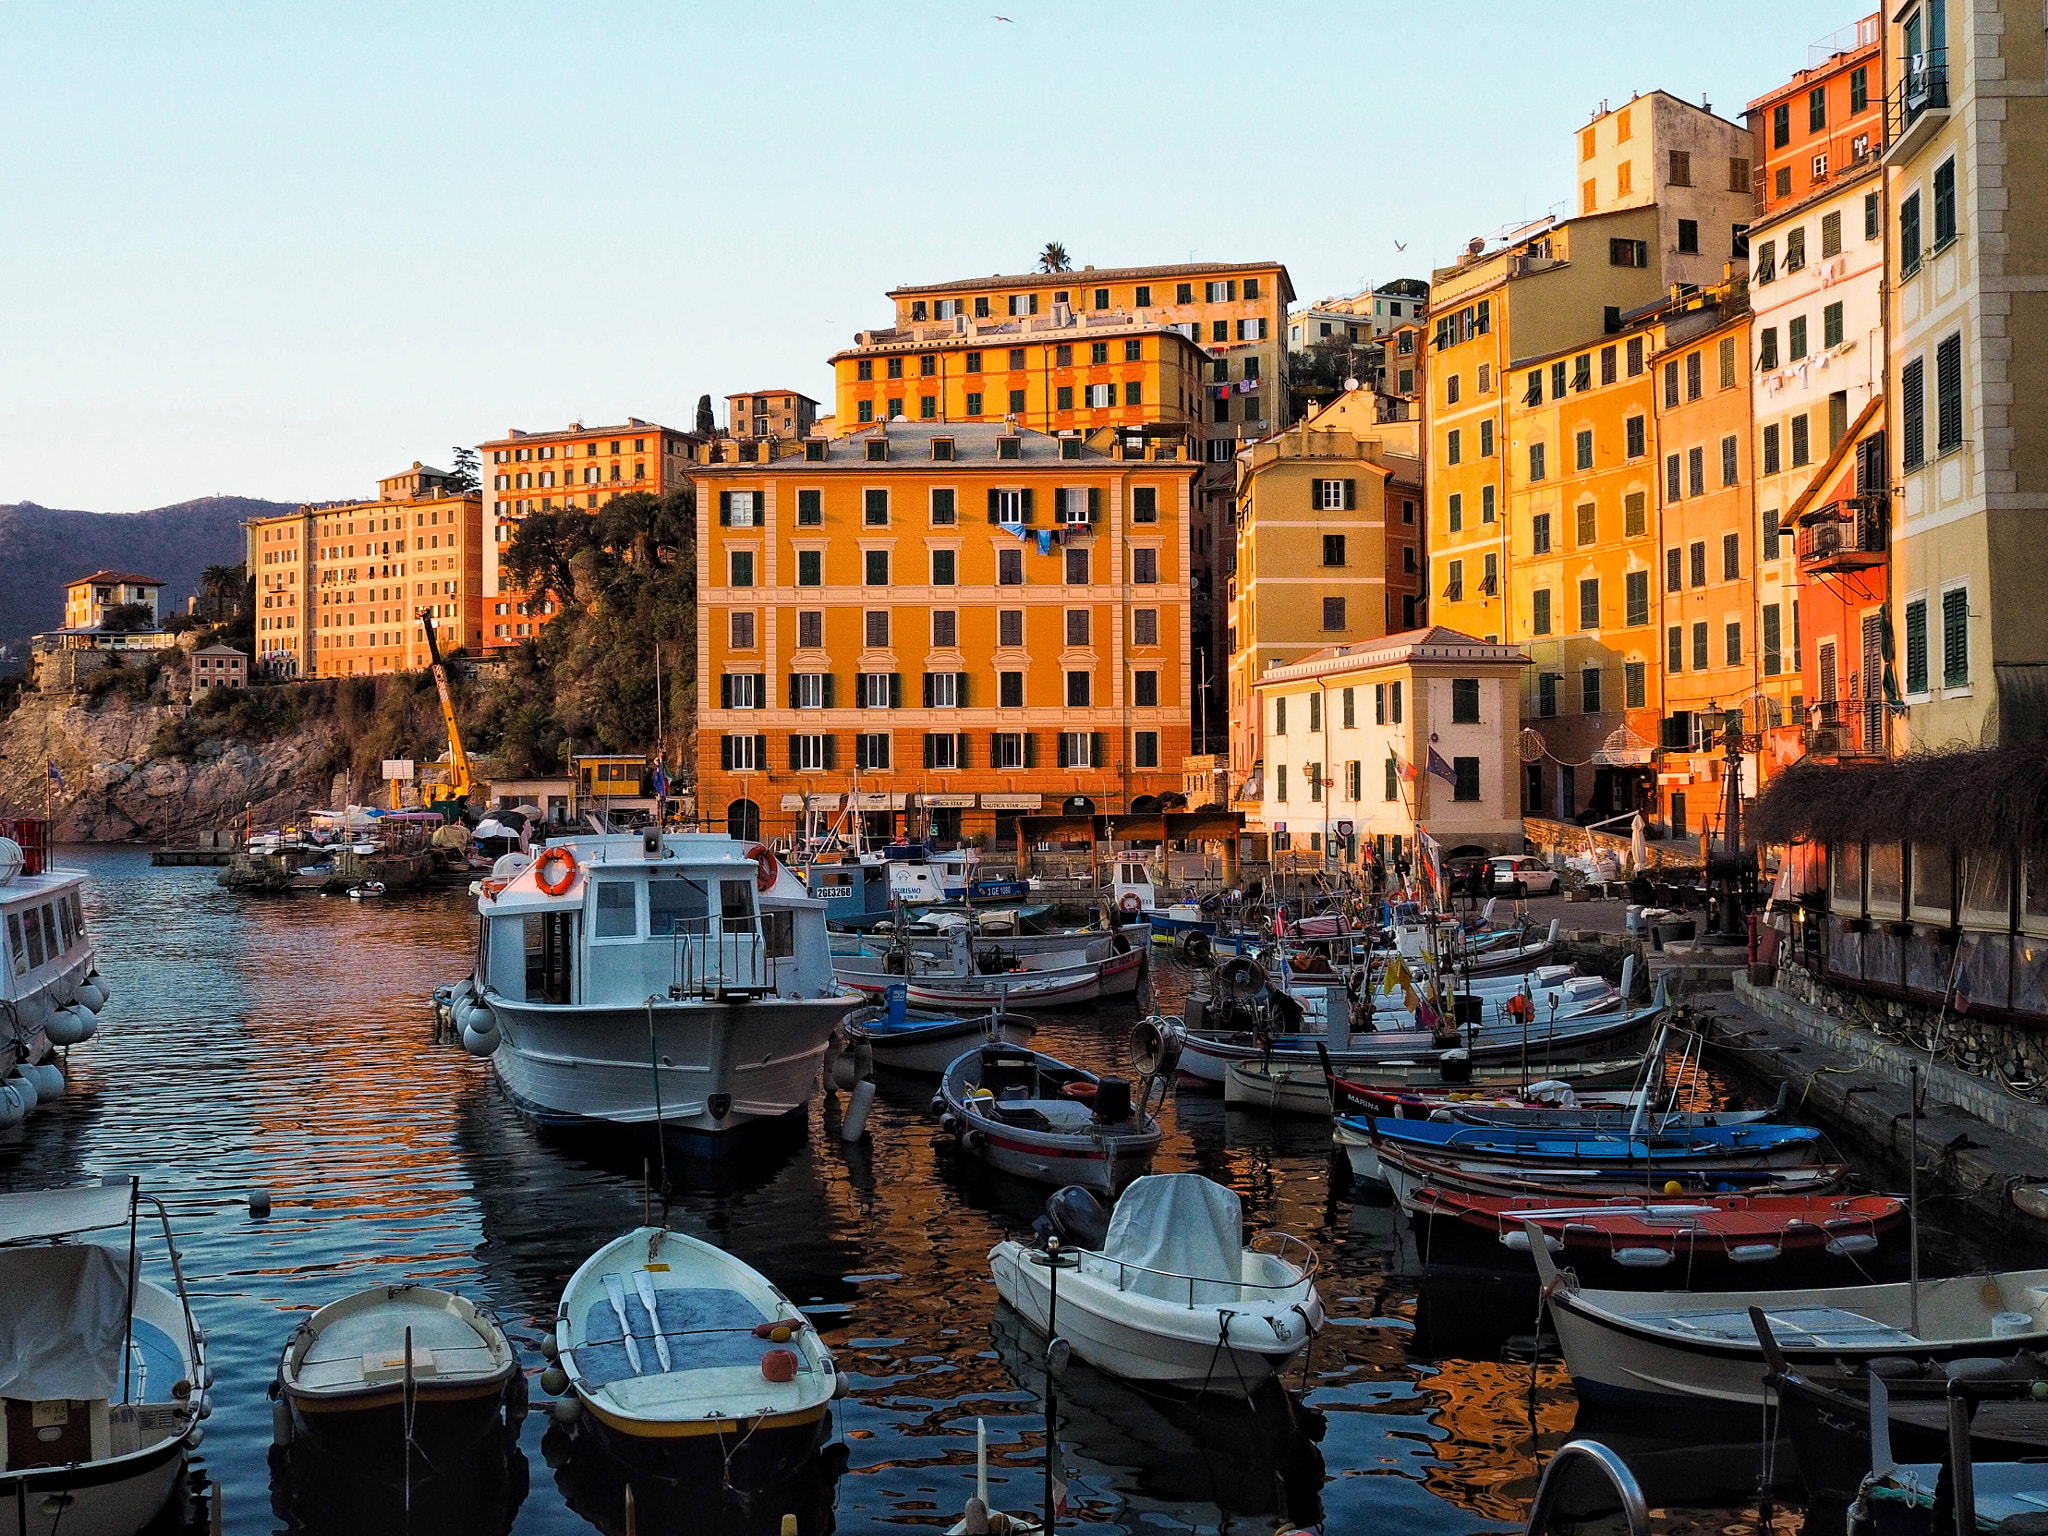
x=1922 y=89
x=1846 y=535
x=1816 y=164
x=1837 y=728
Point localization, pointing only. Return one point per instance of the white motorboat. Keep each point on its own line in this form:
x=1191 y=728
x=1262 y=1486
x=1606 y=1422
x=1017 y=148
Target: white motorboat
x=683 y=1355
x=1137 y=898
x=967 y=974
x=50 y=986
x=674 y=984
x=1038 y=1118
x=1174 y=1297
x=104 y=1372
x=1642 y=1347
x=926 y=1042
x=371 y=1371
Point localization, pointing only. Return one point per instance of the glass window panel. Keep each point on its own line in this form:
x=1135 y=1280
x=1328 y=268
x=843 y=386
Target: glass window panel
x=1933 y=867
x=1847 y=859
x=676 y=904
x=614 y=909
x=1987 y=887
x=1887 y=880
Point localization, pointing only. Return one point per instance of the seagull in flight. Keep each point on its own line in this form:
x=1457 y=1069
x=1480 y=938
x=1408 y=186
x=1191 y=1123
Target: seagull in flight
x=1002 y=18
x=1399 y=246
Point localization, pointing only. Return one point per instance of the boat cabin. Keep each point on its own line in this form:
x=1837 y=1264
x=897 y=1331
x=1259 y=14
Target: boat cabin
x=1133 y=878
x=850 y=890
x=667 y=916
x=44 y=931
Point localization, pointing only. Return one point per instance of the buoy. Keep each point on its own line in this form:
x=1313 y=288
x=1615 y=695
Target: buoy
x=845 y=1072
x=780 y=1365
x=566 y=1410
x=554 y=1381
x=194 y=1438
x=842 y=1385
x=11 y=1111
x=71 y=1025
x=1673 y=1187
x=259 y=1203
x=550 y=1351
x=280 y=1423
x=481 y=1042
x=49 y=1081
x=855 y=1125
x=92 y=992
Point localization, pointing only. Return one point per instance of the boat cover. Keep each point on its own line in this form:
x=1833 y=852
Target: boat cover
x=1185 y=1226
x=66 y=1316
x=46 y=1213
x=706 y=1327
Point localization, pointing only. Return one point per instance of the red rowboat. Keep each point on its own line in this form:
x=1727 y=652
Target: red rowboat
x=1651 y=1232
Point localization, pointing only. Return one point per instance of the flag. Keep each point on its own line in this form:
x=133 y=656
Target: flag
x=56 y=778
x=1407 y=770
x=660 y=781
x=1442 y=769
x=1962 y=991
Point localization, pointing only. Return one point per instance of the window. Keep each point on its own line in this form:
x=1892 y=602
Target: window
x=1795 y=248
x=737 y=754
x=1955 y=638
x=1452 y=448
x=810 y=568
x=871 y=750
x=1944 y=203
x=1802 y=443
x=1315 y=712
x=1674 y=477
x=1681 y=169
x=1770 y=535
x=973 y=409
x=1588 y=524
x=1465 y=773
x=810 y=630
x=1077 y=626
x=875 y=628
x=1628 y=253
x=742 y=690
x=1733 y=650
x=1635 y=520
x=1781 y=182
x=742 y=567
x=1394 y=702
x=1077 y=567
x=1333 y=548
x=1948 y=394
x=1774 y=661
x=1457 y=512
x=1010 y=568
x=1795 y=338
x=1699 y=647
x=1333 y=613
x=1454 y=587
x=1637 y=432
x=807 y=689
x=1696 y=471
x=1771 y=449
x=1546 y=694
x=1589 y=603
x=1539 y=611
x=1696 y=561
x=1145 y=566
x=1485 y=504
x=1909 y=235
x=1916 y=646
x=1674 y=660
x=1609 y=363
x=1582 y=446
x=1451 y=390
x=1535 y=461
x=1728 y=460
x=1464 y=701
x=1693 y=384
x=1831 y=234
x=1077 y=690
x=1636 y=593
x=1831 y=326
x=1688 y=230
x=1912 y=414
x=1539 y=533
x=944 y=567
x=1589 y=691
x=1731 y=557
x=875 y=567
x=740 y=630
x=1873 y=216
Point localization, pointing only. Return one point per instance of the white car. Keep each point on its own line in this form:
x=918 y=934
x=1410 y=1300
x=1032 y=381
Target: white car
x=1522 y=876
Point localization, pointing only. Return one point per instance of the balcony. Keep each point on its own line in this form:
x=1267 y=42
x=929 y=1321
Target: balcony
x=1845 y=728
x=1816 y=165
x=1848 y=535
x=1917 y=105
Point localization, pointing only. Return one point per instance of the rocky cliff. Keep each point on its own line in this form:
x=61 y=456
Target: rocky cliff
x=114 y=789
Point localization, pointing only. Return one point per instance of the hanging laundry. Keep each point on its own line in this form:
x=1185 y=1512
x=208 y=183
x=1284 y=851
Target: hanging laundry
x=1045 y=541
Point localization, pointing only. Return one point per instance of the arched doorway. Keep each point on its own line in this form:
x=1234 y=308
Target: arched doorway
x=1077 y=805
x=743 y=821
x=1144 y=804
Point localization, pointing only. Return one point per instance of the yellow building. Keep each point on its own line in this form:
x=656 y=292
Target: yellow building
x=765 y=413
x=340 y=585
x=1684 y=162
x=974 y=620
x=87 y=599
x=1328 y=550
x=577 y=467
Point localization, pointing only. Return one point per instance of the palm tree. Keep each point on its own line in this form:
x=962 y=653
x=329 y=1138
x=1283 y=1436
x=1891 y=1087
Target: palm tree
x=221 y=583
x=1054 y=258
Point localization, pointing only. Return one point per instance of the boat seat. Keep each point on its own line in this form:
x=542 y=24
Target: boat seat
x=705 y=1327
x=1795 y=1327
x=1024 y=1116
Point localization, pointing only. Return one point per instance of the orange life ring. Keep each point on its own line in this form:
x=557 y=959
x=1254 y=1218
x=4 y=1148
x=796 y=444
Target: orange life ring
x=560 y=856
x=764 y=866
x=1132 y=902
x=1083 y=1091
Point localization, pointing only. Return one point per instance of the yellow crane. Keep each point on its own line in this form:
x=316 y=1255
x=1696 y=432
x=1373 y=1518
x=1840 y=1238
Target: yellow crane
x=455 y=800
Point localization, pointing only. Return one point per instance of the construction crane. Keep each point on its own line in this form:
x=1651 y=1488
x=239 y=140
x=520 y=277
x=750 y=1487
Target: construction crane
x=455 y=801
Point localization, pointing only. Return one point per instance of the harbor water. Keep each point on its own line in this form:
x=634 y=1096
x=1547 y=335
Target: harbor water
x=284 y=1045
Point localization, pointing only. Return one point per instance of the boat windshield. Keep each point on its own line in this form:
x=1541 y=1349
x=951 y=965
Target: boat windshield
x=676 y=904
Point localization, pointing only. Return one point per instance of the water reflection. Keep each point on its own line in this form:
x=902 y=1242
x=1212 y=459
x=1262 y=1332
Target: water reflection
x=597 y=1485
x=479 y=1495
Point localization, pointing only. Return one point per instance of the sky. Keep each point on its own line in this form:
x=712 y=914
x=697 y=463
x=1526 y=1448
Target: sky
x=283 y=249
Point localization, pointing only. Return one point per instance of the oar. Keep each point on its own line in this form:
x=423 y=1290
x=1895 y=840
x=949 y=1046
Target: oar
x=643 y=1284
x=615 y=1288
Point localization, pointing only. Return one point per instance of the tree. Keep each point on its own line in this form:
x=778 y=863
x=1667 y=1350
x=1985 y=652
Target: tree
x=467 y=476
x=543 y=551
x=707 y=423
x=221 y=585
x=123 y=618
x=1054 y=258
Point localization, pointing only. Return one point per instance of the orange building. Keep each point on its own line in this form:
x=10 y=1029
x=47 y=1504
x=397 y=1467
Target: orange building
x=340 y=584
x=1714 y=630
x=970 y=620
x=763 y=413
x=1824 y=124
x=577 y=467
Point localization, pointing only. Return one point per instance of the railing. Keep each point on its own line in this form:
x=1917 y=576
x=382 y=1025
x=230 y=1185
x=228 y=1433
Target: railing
x=1282 y=1246
x=1849 y=535
x=1922 y=88
x=1606 y=1466
x=1852 y=727
x=711 y=960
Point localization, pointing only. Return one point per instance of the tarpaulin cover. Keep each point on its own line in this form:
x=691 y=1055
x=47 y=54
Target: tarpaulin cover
x=1184 y=1225
x=66 y=1316
x=47 y=1213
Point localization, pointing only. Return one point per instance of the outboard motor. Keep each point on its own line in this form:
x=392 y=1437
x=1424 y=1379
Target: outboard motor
x=1112 y=1100
x=1076 y=1217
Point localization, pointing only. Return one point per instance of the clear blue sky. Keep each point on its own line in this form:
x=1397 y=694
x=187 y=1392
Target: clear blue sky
x=281 y=249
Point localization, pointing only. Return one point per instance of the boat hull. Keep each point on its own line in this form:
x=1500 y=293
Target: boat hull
x=1161 y=1344
x=724 y=1067
x=749 y=1450
x=371 y=1425
x=108 y=1498
x=928 y=1052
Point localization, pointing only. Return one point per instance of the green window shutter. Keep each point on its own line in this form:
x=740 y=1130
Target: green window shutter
x=1315 y=494
x=960 y=693
x=725 y=753
x=1062 y=754
x=725 y=509
x=927 y=702
x=895 y=690
x=1030 y=749
x=994 y=505
x=928 y=753
x=831 y=751
x=1095 y=752
x=792 y=754
x=761 y=690
x=960 y=753
x=1350 y=495
x=826 y=685
x=725 y=690
x=761 y=747
x=1094 y=504
x=790 y=697
x=1027 y=504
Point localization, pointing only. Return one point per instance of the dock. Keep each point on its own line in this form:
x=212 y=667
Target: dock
x=211 y=848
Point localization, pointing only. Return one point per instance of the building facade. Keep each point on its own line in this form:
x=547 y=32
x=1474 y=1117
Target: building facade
x=578 y=468
x=1367 y=745
x=1968 y=319
x=87 y=599
x=1692 y=167
x=963 y=621
x=283 y=561
x=218 y=666
x=764 y=413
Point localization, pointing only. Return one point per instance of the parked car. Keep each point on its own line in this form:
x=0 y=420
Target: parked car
x=1468 y=876
x=1520 y=875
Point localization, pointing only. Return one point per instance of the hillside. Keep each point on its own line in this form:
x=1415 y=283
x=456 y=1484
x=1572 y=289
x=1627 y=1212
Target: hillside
x=42 y=547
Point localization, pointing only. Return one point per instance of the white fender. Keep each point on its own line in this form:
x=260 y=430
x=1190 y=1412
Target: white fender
x=93 y=992
x=49 y=1081
x=71 y=1026
x=22 y=1088
x=472 y=1014
x=480 y=1042
x=12 y=1110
